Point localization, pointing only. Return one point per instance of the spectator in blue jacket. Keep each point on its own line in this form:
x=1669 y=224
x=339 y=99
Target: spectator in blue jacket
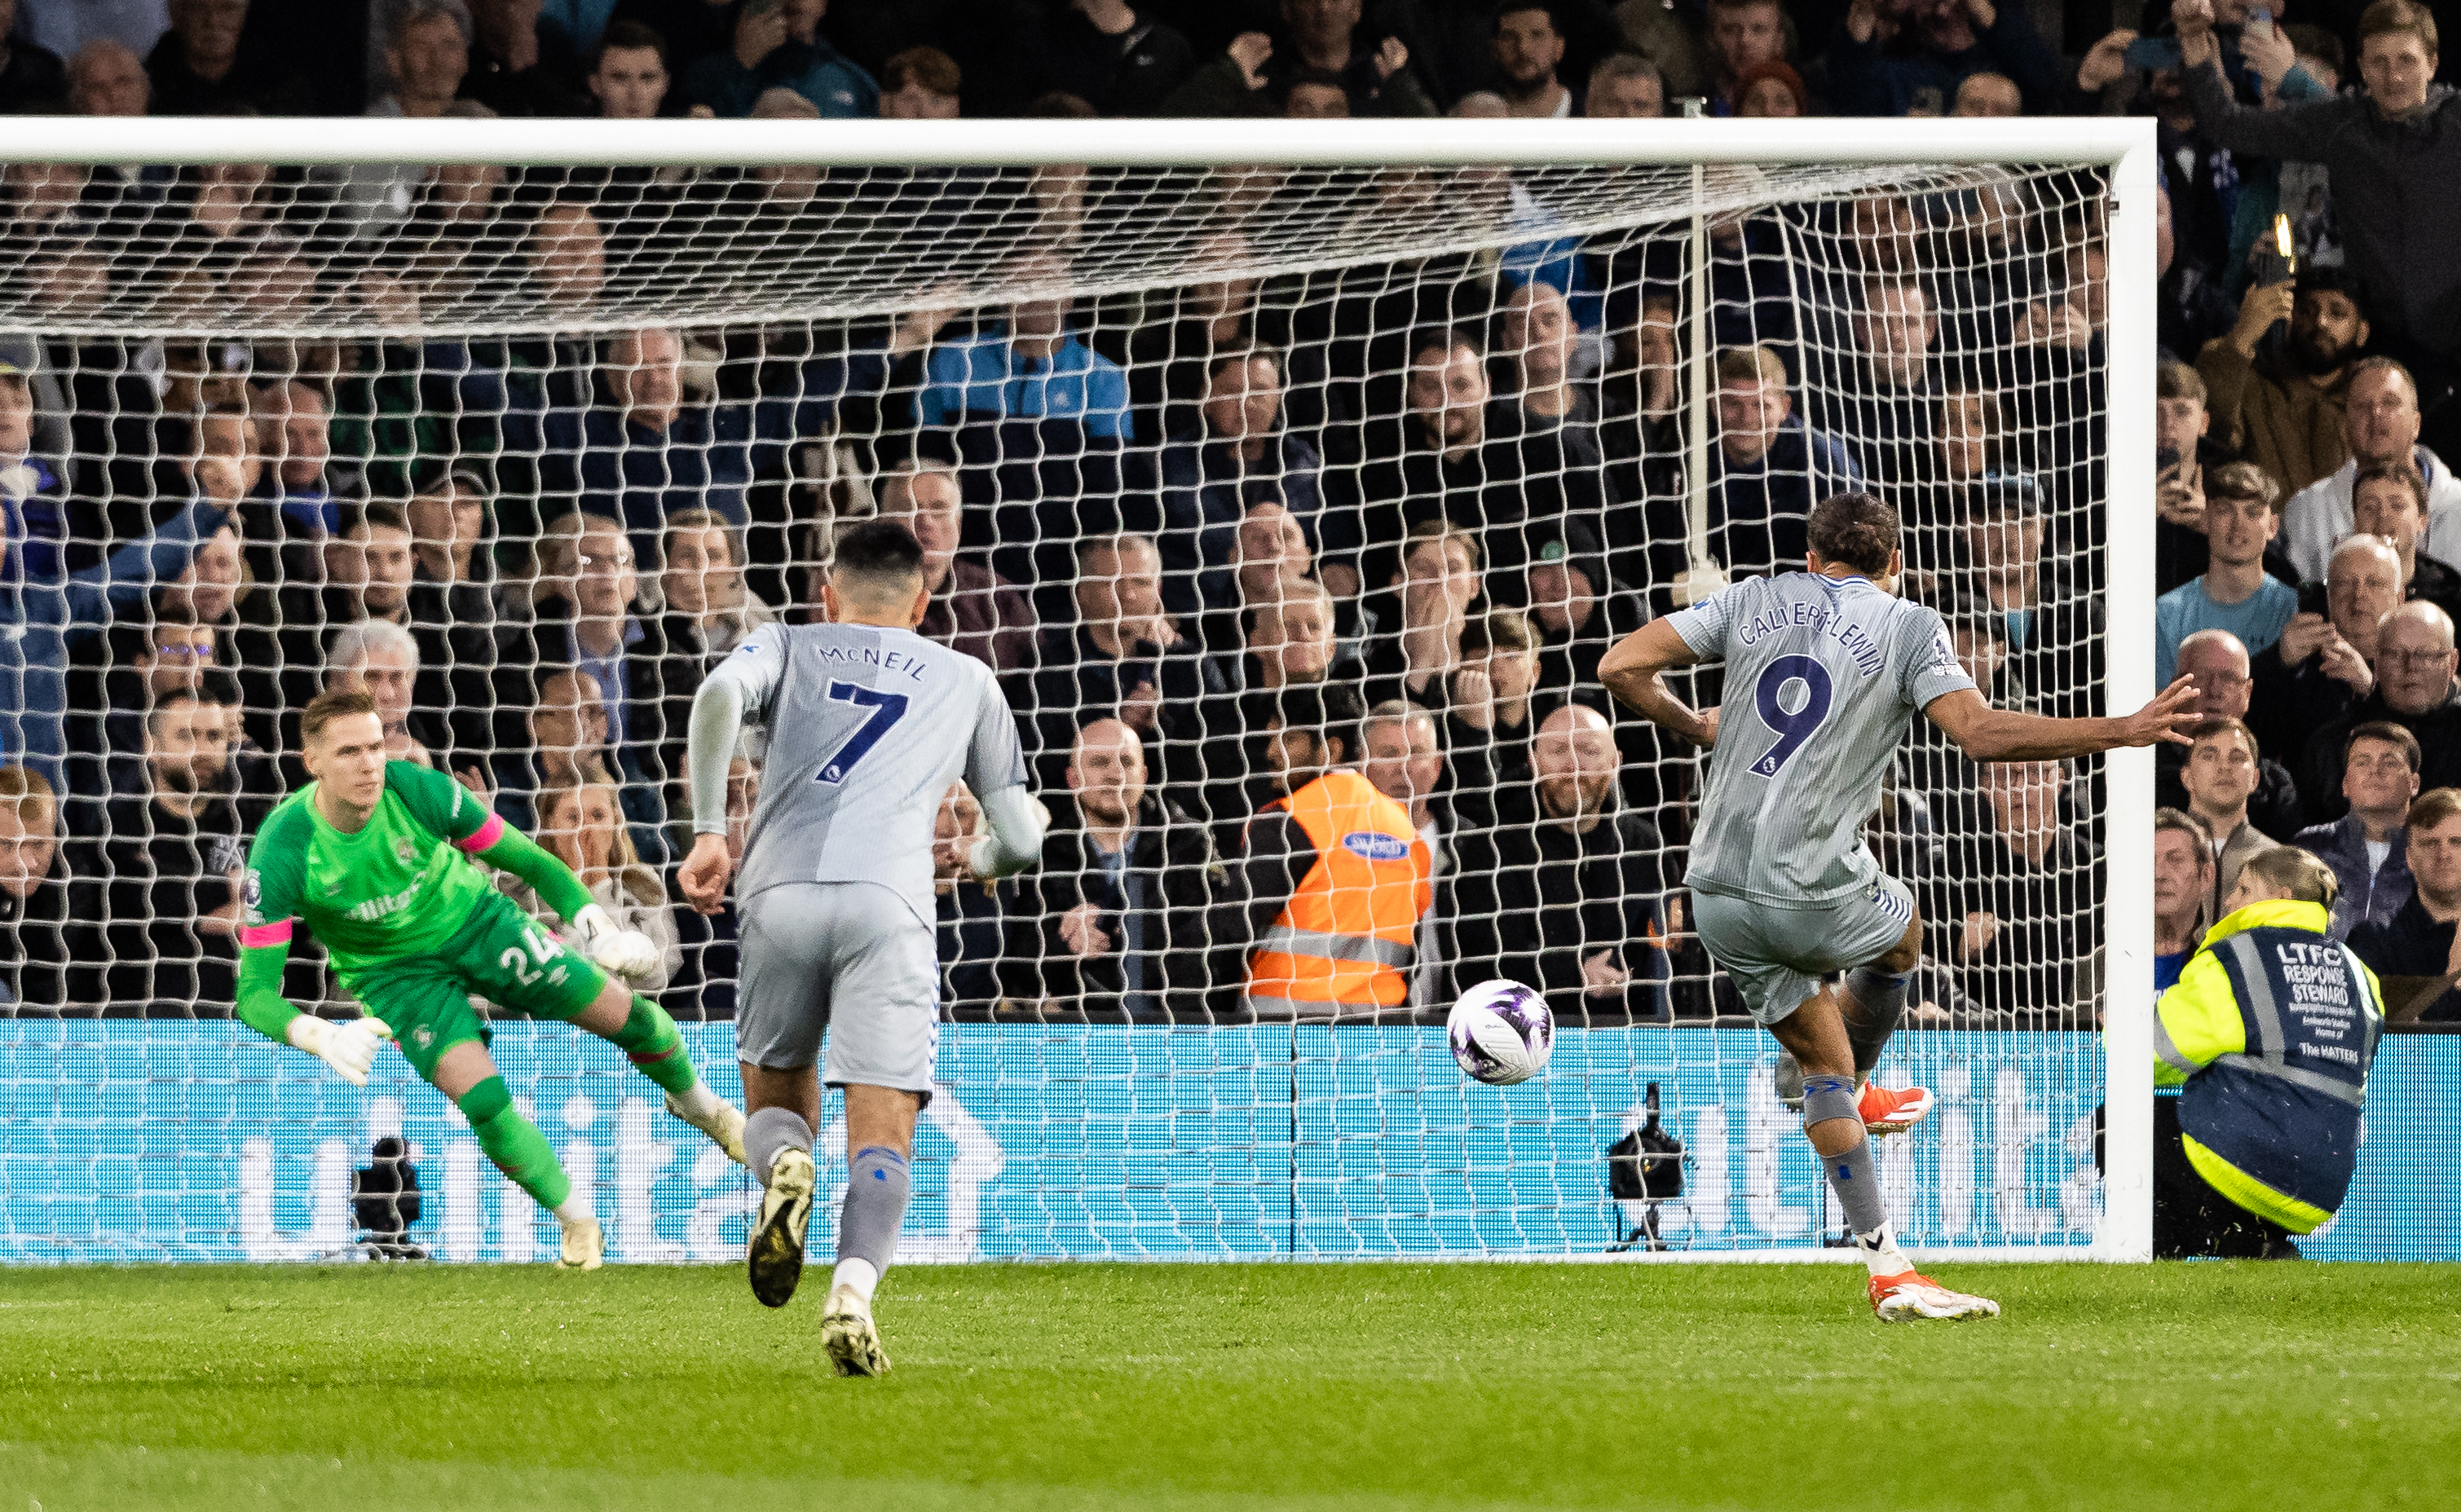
x=1896 y=57
x=780 y=46
x=2368 y=847
x=1768 y=467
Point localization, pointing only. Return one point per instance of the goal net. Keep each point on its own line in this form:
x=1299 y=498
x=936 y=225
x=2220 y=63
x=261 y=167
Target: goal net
x=522 y=431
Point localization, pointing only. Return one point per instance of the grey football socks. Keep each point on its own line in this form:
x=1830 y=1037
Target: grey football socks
x=878 y=1184
x=770 y=1129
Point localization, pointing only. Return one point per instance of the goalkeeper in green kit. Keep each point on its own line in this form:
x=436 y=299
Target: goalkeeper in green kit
x=381 y=858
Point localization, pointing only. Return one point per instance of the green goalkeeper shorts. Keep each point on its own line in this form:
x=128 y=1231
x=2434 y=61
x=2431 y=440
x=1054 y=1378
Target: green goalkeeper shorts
x=499 y=953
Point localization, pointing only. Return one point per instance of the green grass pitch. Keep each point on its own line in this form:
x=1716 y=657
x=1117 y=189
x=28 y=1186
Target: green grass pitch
x=1230 y=1387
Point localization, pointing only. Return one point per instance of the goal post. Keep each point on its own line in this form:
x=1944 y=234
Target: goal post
x=1207 y=1137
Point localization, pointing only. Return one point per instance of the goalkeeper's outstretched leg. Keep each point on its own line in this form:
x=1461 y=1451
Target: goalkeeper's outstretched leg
x=466 y=1073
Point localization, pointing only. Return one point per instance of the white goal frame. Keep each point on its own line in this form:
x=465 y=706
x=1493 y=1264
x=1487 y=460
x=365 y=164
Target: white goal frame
x=2126 y=147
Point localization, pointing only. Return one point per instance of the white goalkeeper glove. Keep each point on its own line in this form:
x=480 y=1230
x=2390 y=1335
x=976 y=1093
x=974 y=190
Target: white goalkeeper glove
x=628 y=953
x=348 y=1047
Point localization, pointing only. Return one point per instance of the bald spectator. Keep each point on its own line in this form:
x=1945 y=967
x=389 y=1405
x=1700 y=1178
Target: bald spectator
x=1768 y=466
x=2219 y=665
x=1566 y=891
x=1128 y=891
x=1988 y=96
x=1890 y=58
x=2388 y=502
x=105 y=78
x=2326 y=662
x=2242 y=514
x=1405 y=761
x=2414 y=664
x=1625 y=86
x=2280 y=394
x=973 y=608
x=2368 y=847
x=647 y=449
x=2380 y=427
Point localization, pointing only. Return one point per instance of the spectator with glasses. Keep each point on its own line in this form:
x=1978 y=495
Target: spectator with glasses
x=2224 y=690
x=2414 y=691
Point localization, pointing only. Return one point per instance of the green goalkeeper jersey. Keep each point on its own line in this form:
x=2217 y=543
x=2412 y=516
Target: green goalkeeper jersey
x=400 y=887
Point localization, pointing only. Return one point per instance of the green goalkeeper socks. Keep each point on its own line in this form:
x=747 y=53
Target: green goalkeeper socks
x=656 y=1046
x=515 y=1143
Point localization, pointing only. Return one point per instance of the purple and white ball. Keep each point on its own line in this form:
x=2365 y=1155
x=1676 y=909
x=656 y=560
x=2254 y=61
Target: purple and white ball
x=1501 y=1032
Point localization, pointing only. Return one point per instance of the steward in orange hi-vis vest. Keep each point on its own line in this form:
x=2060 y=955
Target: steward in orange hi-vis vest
x=1344 y=944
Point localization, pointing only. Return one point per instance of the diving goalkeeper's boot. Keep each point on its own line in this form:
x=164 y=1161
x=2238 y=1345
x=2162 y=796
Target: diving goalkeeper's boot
x=714 y=1116
x=848 y=1334
x=1910 y=1296
x=1893 y=1110
x=775 y=1262
x=585 y=1246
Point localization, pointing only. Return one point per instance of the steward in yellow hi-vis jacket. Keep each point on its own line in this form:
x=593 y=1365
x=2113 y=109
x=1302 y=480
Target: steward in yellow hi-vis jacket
x=2268 y=1035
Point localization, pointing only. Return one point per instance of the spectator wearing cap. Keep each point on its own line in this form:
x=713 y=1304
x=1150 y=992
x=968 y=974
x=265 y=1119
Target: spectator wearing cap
x=2380 y=426
x=2219 y=664
x=2414 y=664
x=1253 y=74
x=1565 y=889
x=2223 y=767
x=2417 y=952
x=2384 y=148
x=780 y=47
x=1625 y=86
x=2388 y=501
x=2183 y=879
x=1888 y=59
x=2243 y=513
x=2280 y=393
x=1121 y=60
x=2368 y=847
x=1768 y=467
x=2327 y=661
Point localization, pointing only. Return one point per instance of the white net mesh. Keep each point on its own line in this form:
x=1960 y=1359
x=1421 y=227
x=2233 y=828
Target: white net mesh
x=523 y=452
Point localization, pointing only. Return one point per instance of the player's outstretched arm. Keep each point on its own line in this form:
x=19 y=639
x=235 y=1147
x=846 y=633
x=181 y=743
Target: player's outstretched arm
x=1632 y=672
x=1998 y=735
x=709 y=750
x=1016 y=820
x=269 y=904
x=628 y=953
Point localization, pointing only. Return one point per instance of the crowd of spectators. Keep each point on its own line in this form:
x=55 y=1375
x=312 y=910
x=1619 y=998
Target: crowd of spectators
x=1430 y=493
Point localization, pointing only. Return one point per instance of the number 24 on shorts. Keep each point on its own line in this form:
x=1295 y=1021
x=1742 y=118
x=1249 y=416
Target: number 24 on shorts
x=1794 y=728
x=887 y=709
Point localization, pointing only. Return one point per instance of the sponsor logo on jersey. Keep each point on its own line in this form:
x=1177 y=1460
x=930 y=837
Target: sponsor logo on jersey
x=1368 y=844
x=374 y=908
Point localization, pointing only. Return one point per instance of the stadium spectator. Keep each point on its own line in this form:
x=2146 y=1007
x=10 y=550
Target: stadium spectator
x=1334 y=875
x=1434 y=463
x=2281 y=398
x=1404 y=758
x=429 y=55
x=2381 y=427
x=1567 y=891
x=1129 y=893
x=1247 y=456
x=973 y=608
x=1115 y=57
x=172 y=852
x=46 y=955
x=2326 y=662
x=1771 y=92
x=1169 y=353
x=1579 y=611
x=2414 y=665
x=2024 y=896
x=1625 y=86
x=1988 y=96
x=629 y=78
x=153 y=659
x=987 y=943
x=2417 y=952
x=1438 y=585
x=205 y=65
x=2367 y=848
x=921 y=83
x=1290 y=640
x=567 y=250
x=1253 y=74
x=1550 y=425
x=379 y=658
x=1529 y=49
x=780 y=47
x=582 y=825
x=105 y=78
x=2182 y=431
x=1768 y=466
x=2225 y=690
x=2052 y=628
x=563 y=737
x=369 y=575
x=2388 y=501
x=2221 y=774
x=1889 y=397
x=587 y=619
x=1743 y=35
x=452 y=605
x=2243 y=513
x=1126 y=659
x=31 y=77
x=1891 y=58
x=1316 y=94
x=2380 y=147
x=516 y=70
x=2183 y=884
x=647 y=449
x=1491 y=718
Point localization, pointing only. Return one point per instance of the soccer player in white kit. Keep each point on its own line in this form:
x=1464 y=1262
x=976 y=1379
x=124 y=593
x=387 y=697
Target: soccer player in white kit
x=868 y=724
x=1825 y=670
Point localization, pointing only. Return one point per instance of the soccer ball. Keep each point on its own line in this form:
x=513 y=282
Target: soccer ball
x=1501 y=1032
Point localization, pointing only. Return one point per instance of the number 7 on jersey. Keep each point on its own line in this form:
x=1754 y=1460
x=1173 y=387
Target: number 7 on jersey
x=887 y=709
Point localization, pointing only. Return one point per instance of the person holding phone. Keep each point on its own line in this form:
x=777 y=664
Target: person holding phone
x=2280 y=396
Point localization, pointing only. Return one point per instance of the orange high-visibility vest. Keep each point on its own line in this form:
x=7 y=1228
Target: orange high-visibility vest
x=1345 y=942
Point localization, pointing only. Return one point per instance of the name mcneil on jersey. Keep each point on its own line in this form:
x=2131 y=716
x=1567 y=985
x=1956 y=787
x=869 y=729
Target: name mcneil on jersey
x=889 y=661
x=1821 y=620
